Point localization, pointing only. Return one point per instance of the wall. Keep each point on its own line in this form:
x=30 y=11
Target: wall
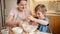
x=53 y=6
x=9 y=4
x=0 y=15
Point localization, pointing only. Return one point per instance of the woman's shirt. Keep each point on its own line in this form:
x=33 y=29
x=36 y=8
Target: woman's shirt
x=18 y=15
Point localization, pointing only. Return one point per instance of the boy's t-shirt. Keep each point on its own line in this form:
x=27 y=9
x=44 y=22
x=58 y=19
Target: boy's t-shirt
x=41 y=27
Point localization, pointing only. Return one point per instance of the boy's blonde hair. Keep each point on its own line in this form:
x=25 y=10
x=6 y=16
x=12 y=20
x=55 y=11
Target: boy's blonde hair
x=40 y=7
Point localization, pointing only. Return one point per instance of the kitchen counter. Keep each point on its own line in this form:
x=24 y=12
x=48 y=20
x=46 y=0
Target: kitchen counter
x=51 y=14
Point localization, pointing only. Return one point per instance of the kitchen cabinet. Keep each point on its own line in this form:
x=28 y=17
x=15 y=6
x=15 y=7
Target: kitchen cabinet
x=54 y=24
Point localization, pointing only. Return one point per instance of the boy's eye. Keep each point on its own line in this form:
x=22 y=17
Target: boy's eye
x=38 y=13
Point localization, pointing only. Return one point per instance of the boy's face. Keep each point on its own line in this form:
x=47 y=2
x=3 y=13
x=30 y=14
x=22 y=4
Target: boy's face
x=39 y=13
x=22 y=5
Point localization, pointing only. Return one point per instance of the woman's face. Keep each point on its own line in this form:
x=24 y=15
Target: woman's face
x=22 y=5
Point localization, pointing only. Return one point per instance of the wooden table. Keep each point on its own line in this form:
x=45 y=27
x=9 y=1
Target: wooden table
x=11 y=32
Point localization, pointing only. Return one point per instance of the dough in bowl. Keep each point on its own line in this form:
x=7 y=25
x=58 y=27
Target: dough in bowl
x=17 y=30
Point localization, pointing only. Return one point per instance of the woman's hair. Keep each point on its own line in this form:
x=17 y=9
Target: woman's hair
x=18 y=1
x=40 y=7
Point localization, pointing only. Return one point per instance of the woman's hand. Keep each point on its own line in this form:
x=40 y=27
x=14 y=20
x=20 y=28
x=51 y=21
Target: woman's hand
x=28 y=19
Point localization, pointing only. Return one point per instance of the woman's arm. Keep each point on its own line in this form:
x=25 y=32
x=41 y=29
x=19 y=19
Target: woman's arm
x=9 y=21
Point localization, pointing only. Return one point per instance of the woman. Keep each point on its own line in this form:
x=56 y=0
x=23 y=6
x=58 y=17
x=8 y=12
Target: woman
x=19 y=14
x=40 y=17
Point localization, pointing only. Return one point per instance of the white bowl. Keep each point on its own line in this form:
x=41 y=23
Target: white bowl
x=17 y=30
x=29 y=28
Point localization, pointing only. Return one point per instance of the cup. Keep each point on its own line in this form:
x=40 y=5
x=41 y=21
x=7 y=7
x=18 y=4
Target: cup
x=4 y=31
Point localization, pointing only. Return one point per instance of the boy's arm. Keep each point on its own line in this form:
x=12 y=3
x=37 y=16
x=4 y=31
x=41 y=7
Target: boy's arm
x=43 y=22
